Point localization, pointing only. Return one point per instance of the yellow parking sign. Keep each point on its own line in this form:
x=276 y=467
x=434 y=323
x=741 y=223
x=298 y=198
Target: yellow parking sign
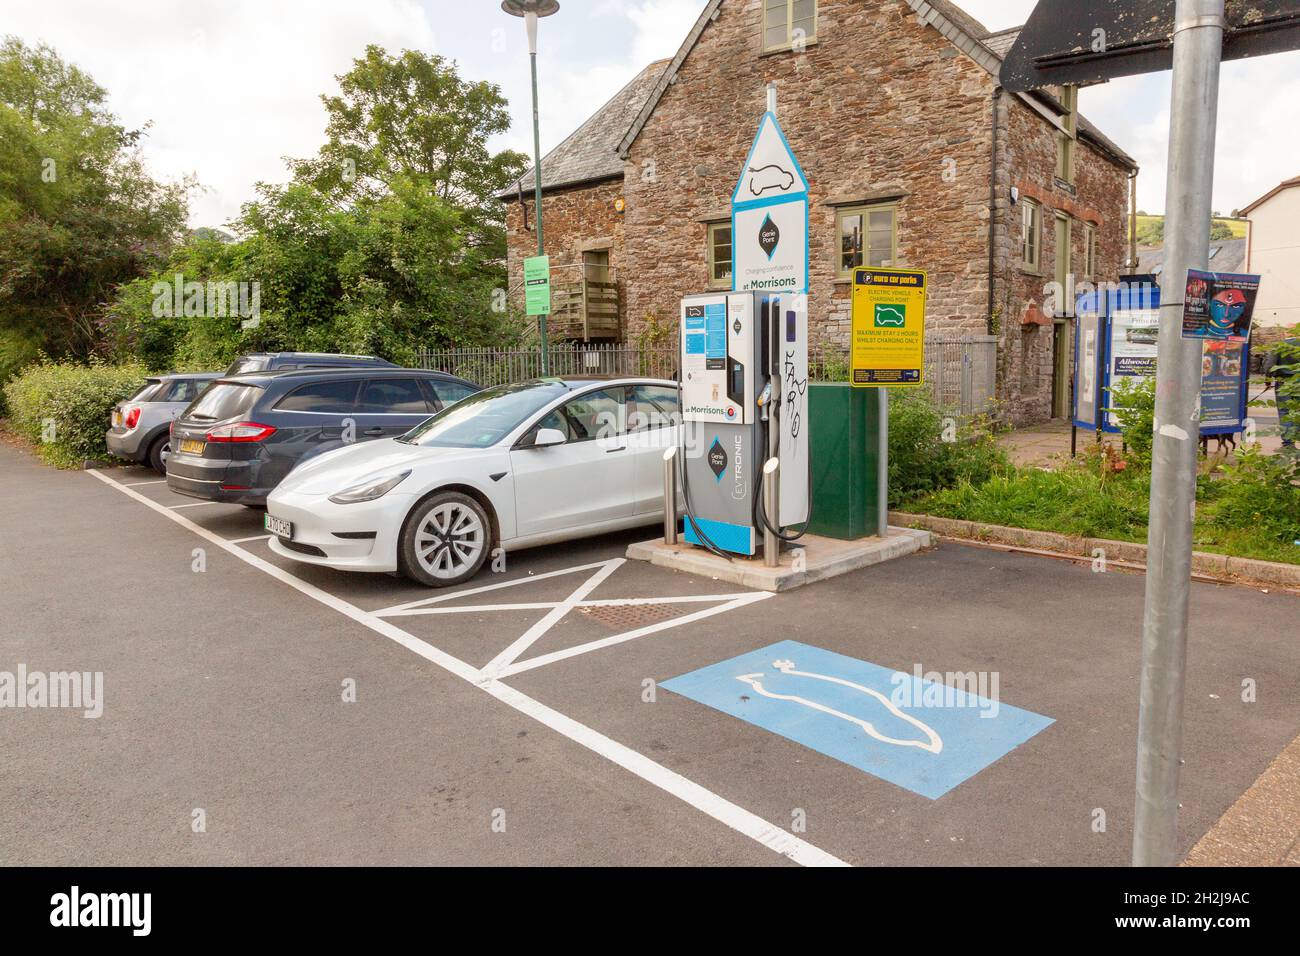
x=888 y=346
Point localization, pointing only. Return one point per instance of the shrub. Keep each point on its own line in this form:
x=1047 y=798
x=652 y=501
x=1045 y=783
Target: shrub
x=64 y=407
x=929 y=450
x=1134 y=404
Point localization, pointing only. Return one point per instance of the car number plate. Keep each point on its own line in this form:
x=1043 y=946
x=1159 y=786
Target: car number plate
x=192 y=446
x=278 y=526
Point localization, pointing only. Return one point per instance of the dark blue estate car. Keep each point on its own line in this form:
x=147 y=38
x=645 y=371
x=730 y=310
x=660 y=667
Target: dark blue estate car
x=246 y=432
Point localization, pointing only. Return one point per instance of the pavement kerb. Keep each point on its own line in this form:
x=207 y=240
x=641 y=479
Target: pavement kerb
x=1223 y=567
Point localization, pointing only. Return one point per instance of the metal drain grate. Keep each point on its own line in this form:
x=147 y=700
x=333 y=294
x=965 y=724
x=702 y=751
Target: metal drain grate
x=626 y=617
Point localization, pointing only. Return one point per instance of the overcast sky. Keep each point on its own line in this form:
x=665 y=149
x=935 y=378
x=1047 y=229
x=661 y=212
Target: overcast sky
x=233 y=86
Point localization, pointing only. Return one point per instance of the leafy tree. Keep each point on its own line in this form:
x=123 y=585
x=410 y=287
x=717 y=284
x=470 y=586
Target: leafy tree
x=79 y=213
x=411 y=117
x=389 y=239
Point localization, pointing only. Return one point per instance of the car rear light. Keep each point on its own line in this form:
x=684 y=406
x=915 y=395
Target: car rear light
x=241 y=431
x=234 y=487
x=132 y=416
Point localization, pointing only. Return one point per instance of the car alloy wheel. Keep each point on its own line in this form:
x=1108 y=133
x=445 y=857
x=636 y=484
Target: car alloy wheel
x=158 y=453
x=445 y=541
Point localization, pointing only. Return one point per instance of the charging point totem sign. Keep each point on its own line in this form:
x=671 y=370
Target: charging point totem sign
x=744 y=361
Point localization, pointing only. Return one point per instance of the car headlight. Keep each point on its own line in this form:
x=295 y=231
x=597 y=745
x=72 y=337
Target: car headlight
x=369 y=490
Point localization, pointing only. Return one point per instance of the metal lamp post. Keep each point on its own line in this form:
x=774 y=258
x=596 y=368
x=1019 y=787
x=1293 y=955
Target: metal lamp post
x=530 y=10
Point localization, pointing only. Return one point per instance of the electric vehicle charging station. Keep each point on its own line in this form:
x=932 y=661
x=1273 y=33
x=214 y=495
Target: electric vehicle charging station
x=744 y=374
x=745 y=468
x=744 y=365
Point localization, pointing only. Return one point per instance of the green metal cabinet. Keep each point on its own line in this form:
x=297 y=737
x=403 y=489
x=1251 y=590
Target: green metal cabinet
x=845 y=441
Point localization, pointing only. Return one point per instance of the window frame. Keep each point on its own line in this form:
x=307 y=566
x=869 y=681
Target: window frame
x=562 y=409
x=674 y=418
x=788 y=42
x=1067 y=138
x=865 y=210
x=290 y=393
x=1089 y=251
x=429 y=409
x=709 y=253
x=1034 y=229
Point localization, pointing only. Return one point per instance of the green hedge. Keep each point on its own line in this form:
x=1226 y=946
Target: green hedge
x=64 y=407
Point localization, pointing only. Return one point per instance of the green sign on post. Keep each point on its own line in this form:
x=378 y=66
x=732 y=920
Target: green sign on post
x=537 y=285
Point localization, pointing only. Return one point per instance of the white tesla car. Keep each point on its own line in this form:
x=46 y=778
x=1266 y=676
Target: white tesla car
x=512 y=466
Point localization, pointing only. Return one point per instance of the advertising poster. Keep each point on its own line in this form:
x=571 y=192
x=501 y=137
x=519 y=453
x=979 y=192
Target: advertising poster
x=1219 y=305
x=1221 y=386
x=1134 y=334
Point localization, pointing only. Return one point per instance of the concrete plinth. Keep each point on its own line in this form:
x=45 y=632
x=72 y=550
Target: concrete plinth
x=808 y=560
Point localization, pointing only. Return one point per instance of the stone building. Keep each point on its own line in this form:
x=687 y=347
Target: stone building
x=894 y=111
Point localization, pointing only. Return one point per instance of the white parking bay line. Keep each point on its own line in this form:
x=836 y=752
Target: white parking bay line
x=256 y=537
x=567 y=652
x=132 y=484
x=192 y=504
x=530 y=637
x=707 y=802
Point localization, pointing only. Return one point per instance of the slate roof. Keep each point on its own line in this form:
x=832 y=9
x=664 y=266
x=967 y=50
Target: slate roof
x=1002 y=41
x=590 y=152
x=1226 y=255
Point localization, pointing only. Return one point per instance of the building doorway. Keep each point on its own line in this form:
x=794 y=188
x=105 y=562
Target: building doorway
x=1062 y=326
x=595 y=265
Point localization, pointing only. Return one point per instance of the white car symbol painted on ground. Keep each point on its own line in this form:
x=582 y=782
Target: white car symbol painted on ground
x=933 y=744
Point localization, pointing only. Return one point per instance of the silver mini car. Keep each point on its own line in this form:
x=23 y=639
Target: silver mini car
x=140 y=426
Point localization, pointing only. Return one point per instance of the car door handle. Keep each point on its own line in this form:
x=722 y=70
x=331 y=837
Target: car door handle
x=610 y=451
x=373 y=431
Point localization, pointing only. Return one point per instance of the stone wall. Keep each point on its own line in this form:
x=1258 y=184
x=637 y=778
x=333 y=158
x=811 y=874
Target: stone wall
x=573 y=220
x=1027 y=160
x=879 y=107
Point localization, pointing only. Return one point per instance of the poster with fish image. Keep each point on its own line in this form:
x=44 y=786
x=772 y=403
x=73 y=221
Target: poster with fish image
x=1219 y=305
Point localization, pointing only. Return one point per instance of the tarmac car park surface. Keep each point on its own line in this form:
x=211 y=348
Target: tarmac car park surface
x=223 y=692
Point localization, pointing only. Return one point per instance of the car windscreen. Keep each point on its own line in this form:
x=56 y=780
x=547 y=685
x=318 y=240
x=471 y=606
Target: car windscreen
x=485 y=417
x=247 y=363
x=223 y=400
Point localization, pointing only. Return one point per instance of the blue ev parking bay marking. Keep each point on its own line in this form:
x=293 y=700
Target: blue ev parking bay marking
x=921 y=735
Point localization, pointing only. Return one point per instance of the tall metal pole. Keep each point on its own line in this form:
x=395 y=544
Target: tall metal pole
x=1198 y=47
x=530 y=19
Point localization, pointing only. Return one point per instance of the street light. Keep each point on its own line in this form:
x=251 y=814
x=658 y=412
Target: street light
x=530 y=10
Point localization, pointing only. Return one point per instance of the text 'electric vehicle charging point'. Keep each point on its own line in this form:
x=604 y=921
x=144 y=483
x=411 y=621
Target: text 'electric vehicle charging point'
x=748 y=458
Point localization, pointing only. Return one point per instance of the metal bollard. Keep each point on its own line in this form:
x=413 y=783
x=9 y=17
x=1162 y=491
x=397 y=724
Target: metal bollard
x=670 y=495
x=772 y=508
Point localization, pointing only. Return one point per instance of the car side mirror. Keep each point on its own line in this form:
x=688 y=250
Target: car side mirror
x=549 y=436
